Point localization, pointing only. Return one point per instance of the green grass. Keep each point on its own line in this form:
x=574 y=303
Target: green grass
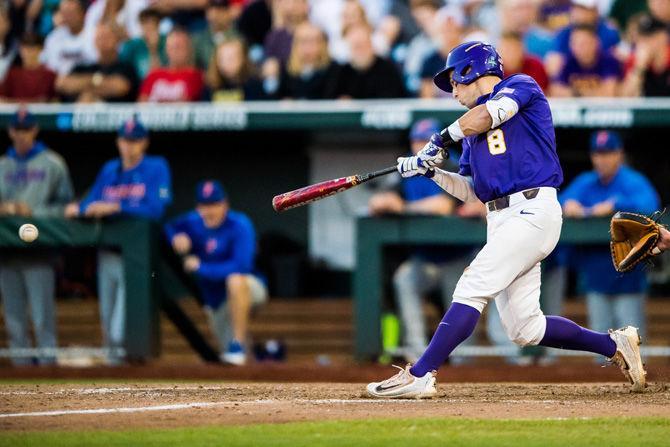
x=647 y=432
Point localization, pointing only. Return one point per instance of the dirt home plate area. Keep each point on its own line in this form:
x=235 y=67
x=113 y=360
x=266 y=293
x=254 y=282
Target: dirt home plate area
x=115 y=406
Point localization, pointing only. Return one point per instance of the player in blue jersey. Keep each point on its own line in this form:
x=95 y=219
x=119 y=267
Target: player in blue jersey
x=219 y=246
x=133 y=185
x=509 y=162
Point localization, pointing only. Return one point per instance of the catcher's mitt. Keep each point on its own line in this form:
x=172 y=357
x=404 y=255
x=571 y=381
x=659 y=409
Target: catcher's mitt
x=634 y=239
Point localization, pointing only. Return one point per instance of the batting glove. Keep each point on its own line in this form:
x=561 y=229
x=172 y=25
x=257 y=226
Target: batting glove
x=411 y=166
x=434 y=152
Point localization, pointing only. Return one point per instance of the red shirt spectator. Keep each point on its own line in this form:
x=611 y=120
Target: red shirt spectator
x=516 y=60
x=168 y=85
x=30 y=82
x=180 y=80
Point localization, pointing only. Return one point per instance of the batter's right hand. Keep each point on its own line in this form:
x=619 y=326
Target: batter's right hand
x=181 y=243
x=434 y=152
x=411 y=166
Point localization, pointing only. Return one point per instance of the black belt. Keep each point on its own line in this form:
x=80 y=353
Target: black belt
x=503 y=202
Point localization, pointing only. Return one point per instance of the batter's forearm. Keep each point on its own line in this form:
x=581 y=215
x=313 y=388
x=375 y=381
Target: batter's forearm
x=477 y=120
x=457 y=185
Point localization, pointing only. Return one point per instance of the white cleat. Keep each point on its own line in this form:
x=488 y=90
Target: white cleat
x=627 y=356
x=405 y=386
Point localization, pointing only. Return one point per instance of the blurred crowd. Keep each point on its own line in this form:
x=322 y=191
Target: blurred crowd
x=239 y=50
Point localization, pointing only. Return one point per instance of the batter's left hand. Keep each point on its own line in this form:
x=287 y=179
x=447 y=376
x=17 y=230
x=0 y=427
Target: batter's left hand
x=434 y=152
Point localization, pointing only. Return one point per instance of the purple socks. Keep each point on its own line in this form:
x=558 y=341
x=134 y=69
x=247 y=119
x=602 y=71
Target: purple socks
x=565 y=334
x=456 y=326
x=460 y=320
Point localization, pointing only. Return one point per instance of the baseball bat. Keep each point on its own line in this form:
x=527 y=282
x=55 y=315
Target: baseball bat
x=321 y=190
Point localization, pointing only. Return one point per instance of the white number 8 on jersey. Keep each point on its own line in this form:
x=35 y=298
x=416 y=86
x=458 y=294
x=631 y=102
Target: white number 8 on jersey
x=496 y=140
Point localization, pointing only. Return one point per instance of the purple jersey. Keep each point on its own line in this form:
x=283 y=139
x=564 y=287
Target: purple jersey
x=520 y=153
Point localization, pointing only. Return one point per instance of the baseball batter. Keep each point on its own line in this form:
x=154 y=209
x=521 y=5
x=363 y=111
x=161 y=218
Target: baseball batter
x=509 y=162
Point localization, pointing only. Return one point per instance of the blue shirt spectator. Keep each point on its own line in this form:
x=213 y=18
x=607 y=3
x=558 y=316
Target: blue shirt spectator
x=607 y=34
x=224 y=247
x=588 y=69
x=610 y=187
x=133 y=185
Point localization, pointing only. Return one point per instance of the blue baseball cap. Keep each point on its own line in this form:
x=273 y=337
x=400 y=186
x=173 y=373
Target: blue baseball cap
x=606 y=141
x=210 y=191
x=423 y=129
x=22 y=119
x=133 y=129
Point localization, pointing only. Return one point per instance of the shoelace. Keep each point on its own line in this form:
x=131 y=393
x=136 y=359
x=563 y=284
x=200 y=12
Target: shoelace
x=395 y=379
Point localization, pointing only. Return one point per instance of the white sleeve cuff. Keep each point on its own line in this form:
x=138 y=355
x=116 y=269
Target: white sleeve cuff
x=501 y=110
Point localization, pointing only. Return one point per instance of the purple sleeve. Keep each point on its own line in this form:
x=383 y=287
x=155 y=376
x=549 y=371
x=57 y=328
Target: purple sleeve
x=464 y=162
x=521 y=88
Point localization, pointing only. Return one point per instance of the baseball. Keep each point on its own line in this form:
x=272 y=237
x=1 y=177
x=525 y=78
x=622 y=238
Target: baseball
x=28 y=232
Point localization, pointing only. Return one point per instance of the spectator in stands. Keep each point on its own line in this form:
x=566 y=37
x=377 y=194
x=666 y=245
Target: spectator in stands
x=582 y=13
x=133 y=185
x=367 y=75
x=648 y=69
x=34 y=181
x=421 y=46
x=219 y=245
x=622 y=11
x=336 y=16
x=30 y=81
x=516 y=60
x=660 y=10
x=186 y=14
x=481 y=19
x=523 y=17
x=613 y=300
x=220 y=27
x=124 y=14
x=8 y=46
x=67 y=45
x=588 y=69
x=231 y=75
x=23 y=16
x=107 y=80
x=447 y=33
x=146 y=52
x=47 y=16
x=255 y=22
x=180 y=80
x=288 y=14
x=309 y=74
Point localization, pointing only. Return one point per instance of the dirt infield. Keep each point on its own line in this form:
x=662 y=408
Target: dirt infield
x=117 y=406
x=493 y=371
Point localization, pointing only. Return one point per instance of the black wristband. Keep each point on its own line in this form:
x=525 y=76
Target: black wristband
x=446 y=138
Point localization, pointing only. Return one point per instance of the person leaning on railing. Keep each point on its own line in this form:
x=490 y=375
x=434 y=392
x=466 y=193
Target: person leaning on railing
x=34 y=181
x=133 y=185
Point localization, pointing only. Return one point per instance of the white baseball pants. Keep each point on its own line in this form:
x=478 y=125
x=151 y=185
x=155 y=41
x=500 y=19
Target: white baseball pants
x=507 y=269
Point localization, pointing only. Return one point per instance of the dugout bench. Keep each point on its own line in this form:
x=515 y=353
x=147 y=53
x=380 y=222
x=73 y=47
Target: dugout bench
x=375 y=235
x=136 y=238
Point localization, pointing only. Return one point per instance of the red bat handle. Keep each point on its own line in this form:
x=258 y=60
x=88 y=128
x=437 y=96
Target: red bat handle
x=318 y=191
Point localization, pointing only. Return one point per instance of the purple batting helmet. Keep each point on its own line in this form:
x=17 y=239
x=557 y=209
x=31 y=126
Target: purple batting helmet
x=469 y=61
